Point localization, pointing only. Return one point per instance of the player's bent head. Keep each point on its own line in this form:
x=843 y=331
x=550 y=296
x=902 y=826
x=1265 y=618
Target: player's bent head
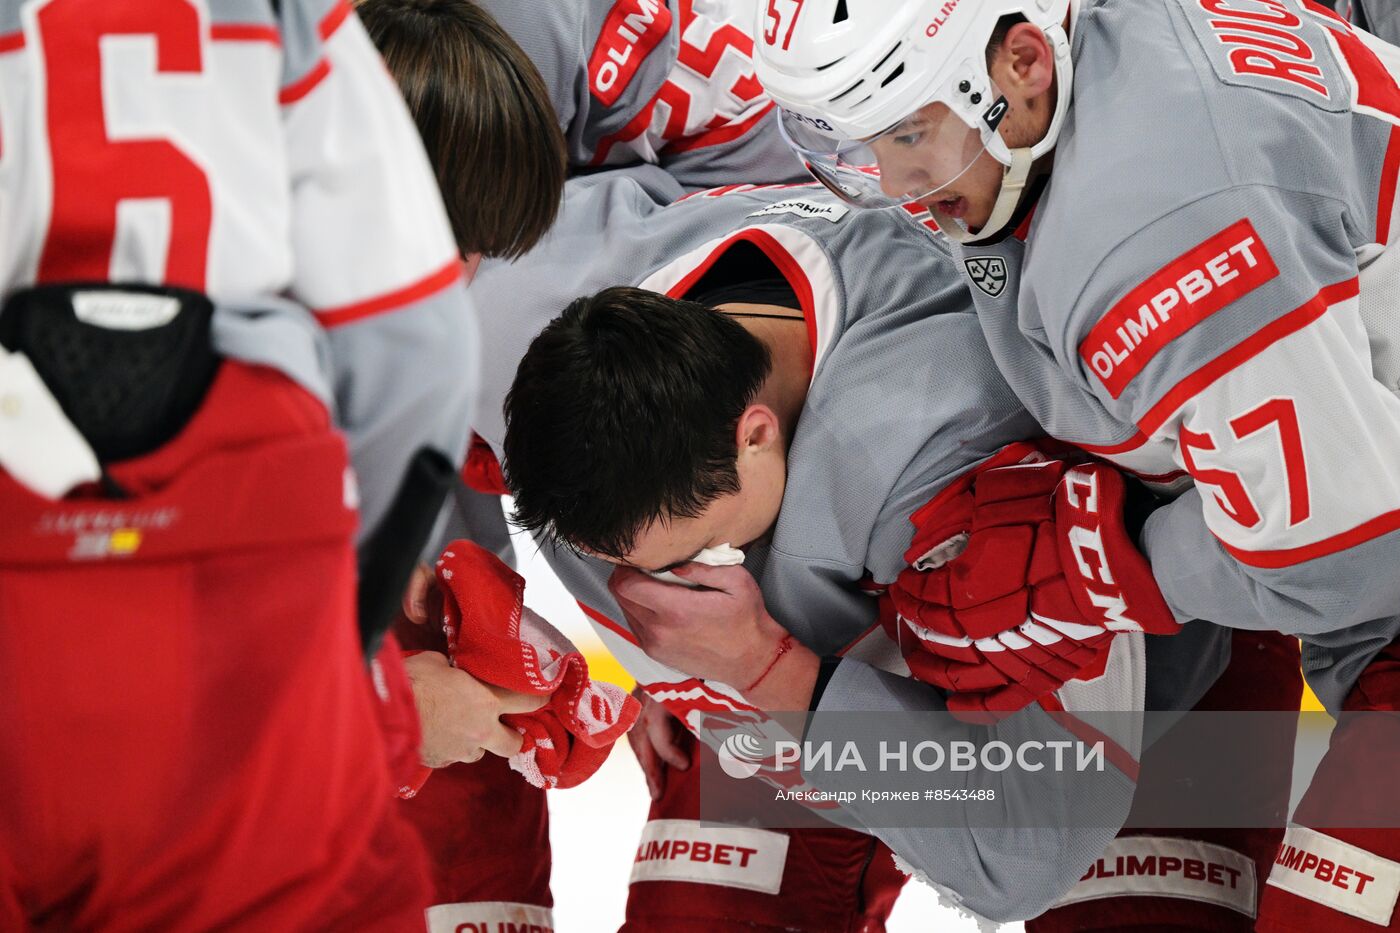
x=632 y=430
x=485 y=117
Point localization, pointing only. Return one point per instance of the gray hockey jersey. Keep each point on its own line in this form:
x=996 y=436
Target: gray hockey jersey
x=1381 y=18
x=661 y=81
x=904 y=397
x=1205 y=294
x=261 y=154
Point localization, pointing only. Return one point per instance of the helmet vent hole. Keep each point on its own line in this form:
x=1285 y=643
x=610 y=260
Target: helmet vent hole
x=840 y=16
x=893 y=74
x=881 y=63
x=832 y=100
x=831 y=63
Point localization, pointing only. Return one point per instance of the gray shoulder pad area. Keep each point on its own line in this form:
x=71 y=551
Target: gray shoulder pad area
x=1170 y=297
x=405 y=380
x=552 y=35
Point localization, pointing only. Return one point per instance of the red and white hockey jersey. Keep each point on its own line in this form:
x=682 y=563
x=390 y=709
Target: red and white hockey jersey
x=261 y=154
x=664 y=81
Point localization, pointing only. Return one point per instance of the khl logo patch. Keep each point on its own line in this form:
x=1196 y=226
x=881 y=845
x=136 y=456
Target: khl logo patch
x=988 y=273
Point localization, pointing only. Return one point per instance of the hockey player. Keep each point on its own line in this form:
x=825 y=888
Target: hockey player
x=838 y=468
x=1184 y=266
x=190 y=740
x=668 y=82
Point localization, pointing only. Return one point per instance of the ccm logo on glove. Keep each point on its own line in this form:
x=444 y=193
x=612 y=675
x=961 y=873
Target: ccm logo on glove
x=1019 y=576
x=1085 y=541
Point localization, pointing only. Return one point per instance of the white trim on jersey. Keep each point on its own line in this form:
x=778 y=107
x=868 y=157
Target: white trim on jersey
x=798 y=256
x=1281 y=490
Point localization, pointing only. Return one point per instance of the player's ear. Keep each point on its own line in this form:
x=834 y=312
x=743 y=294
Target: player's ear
x=757 y=429
x=470 y=263
x=1025 y=62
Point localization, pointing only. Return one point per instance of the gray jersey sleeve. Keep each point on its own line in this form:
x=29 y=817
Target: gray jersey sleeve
x=1231 y=329
x=373 y=255
x=870 y=450
x=1381 y=18
x=402 y=382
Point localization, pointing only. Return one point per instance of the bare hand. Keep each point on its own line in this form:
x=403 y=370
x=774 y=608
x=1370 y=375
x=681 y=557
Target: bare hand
x=720 y=632
x=420 y=595
x=658 y=742
x=460 y=716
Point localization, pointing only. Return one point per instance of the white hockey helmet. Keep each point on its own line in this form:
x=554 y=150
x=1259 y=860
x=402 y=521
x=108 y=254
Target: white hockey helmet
x=858 y=80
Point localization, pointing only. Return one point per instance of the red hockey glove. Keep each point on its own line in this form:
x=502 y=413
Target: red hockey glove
x=1019 y=576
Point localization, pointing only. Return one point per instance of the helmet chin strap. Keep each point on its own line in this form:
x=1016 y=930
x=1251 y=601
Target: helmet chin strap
x=1013 y=184
x=1015 y=176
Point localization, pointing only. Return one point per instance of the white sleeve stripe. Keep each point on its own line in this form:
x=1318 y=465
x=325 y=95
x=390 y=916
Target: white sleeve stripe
x=1293 y=447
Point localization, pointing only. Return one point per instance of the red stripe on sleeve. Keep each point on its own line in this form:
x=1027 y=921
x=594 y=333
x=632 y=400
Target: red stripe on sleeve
x=304 y=85
x=1115 y=754
x=334 y=19
x=607 y=623
x=11 y=42
x=1105 y=450
x=448 y=275
x=245 y=32
x=1287 y=557
x=1385 y=202
x=1244 y=351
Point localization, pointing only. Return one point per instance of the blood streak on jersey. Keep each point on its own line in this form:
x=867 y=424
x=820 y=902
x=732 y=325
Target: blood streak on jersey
x=631 y=31
x=1267 y=44
x=1178 y=296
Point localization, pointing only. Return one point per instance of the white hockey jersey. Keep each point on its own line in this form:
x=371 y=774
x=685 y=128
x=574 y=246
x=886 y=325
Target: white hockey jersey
x=263 y=156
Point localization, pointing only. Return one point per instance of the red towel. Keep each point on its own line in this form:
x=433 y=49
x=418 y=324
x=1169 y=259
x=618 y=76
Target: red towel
x=493 y=637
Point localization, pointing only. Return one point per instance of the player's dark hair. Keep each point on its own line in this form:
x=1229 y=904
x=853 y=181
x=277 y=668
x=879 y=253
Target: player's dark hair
x=999 y=32
x=485 y=117
x=623 y=413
